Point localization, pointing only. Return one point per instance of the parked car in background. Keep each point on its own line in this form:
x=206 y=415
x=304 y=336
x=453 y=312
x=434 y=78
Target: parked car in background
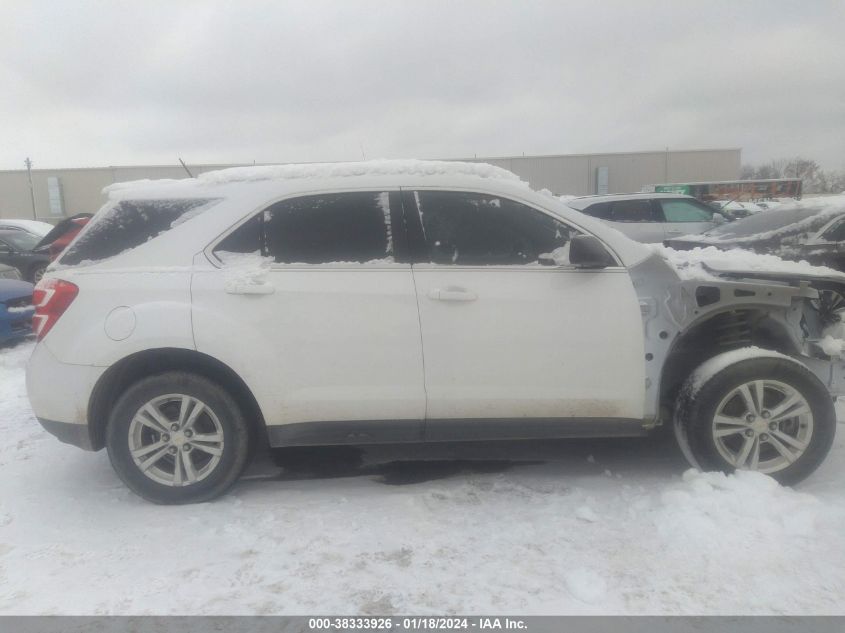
x=16 y=249
x=293 y=305
x=57 y=239
x=9 y=272
x=15 y=307
x=812 y=230
x=650 y=217
x=734 y=209
x=34 y=227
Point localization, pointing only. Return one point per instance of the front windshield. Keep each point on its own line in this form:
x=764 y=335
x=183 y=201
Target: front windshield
x=763 y=222
x=19 y=240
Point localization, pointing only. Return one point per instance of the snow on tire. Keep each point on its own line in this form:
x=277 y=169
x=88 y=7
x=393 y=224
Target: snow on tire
x=753 y=409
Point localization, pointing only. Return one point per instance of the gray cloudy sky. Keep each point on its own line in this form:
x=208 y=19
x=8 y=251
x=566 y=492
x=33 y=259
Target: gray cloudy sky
x=108 y=83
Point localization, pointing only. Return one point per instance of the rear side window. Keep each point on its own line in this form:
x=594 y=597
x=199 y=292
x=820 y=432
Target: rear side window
x=685 y=211
x=128 y=224
x=600 y=210
x=352 y=227
x=624 y=211
x=633 y=211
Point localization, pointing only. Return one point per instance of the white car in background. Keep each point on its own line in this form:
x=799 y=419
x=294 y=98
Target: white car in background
x=650 y=217
x=406 y=301
x=33 y=227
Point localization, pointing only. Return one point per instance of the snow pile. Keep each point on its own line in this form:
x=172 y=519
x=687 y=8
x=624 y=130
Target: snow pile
x=405 y=167
x=689 y=264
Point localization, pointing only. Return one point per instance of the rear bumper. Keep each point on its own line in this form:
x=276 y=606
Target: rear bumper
x=76 y=434
x=59 y=394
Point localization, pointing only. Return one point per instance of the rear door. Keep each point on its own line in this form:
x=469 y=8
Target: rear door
x=309 y=303
x=684 y=216
x=511 y=345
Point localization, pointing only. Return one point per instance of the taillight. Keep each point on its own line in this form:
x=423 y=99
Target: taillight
x=51 y=298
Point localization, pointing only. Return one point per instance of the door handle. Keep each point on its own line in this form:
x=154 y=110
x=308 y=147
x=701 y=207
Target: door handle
x=250 y=289
x=451 y=294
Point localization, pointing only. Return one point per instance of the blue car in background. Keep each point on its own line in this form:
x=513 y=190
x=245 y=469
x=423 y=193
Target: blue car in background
x=15 y=306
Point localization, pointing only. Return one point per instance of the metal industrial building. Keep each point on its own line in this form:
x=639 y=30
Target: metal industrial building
x=63 y=192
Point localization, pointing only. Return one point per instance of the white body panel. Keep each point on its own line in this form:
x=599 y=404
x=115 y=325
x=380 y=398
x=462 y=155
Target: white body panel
x=534 y=342
x=330 y=343
x=159 y=302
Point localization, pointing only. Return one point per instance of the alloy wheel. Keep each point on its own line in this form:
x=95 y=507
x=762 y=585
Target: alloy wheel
x=762 y=425
x=176 y=440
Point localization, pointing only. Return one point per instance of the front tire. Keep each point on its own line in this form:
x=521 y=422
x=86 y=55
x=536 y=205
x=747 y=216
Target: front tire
x=177 y=438
x=769 y=414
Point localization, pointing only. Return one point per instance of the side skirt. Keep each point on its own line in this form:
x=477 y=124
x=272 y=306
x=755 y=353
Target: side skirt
x=449 y=430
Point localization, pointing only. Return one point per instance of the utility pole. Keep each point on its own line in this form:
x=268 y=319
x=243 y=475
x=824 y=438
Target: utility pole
x=28 y=164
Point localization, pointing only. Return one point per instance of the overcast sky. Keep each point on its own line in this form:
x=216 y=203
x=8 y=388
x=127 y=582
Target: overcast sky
x=112 y=83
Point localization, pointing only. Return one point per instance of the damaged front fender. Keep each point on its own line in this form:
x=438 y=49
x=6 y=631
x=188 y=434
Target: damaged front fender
x=687 y=319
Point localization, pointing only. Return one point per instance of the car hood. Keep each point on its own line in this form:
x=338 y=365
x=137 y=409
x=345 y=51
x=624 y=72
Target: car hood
x=14 y=289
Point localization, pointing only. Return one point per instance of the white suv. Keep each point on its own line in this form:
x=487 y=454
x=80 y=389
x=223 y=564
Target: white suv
x=650 y=217
x=405 y=301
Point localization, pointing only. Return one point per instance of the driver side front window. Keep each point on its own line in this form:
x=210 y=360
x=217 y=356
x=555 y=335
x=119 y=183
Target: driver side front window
x=473 y=229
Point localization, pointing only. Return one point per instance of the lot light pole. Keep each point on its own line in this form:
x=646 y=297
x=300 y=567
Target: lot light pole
x=28 y=164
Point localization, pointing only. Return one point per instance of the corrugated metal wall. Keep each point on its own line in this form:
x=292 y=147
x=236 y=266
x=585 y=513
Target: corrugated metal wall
x=567 y=174
x=576 y=174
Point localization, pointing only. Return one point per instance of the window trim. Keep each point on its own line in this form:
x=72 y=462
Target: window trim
x=417 y=237
x=399 y=237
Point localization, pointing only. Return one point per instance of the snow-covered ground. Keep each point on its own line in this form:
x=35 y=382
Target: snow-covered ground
x=547 y=527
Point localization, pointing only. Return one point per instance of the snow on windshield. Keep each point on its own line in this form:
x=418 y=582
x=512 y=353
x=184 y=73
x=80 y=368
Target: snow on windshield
x=787 y=219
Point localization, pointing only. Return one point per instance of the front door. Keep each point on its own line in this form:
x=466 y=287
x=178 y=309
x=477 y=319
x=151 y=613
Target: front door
x=507 y=339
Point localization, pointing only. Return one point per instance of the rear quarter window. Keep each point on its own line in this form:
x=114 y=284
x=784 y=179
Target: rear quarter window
x=129 y=224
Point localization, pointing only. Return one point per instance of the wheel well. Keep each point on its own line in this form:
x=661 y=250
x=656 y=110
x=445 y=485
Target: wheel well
x=150 y=362
x=719 y=333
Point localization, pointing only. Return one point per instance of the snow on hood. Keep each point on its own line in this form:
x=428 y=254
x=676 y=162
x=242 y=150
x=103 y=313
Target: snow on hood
x=690 y=264
x=380 y=167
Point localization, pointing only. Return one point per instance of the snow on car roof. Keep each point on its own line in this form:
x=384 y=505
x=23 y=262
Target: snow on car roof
x=294 y=171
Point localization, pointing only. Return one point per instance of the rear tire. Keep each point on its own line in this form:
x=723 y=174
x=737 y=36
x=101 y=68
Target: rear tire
x=177 y=438
x=769 y=414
